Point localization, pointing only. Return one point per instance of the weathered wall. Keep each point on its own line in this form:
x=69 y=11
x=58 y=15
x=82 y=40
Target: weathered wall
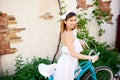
x=110 y=34
x=40 y=37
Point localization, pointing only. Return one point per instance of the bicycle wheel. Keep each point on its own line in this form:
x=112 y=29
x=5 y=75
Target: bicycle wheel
x=102 y=73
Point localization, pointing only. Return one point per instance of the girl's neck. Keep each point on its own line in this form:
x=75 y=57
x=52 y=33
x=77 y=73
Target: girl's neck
x=68 y=29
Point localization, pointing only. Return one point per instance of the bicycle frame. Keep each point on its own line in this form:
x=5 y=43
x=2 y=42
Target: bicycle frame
x=85 y=66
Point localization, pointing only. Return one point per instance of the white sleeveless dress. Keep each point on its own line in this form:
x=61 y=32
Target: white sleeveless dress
x=67 y=64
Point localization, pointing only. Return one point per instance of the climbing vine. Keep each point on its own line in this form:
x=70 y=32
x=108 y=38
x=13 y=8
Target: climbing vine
x=102 y=11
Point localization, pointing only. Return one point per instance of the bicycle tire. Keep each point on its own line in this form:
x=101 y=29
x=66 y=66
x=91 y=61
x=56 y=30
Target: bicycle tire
x=102 y=73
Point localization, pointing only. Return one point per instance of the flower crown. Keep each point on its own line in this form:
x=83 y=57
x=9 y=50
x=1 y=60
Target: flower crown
x=65 y=14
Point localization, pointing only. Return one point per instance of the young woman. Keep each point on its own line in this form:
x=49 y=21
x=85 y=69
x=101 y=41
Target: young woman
x=71 y=48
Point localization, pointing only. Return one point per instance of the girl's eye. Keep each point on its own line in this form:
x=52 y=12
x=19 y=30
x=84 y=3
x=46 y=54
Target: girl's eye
x=75 y=20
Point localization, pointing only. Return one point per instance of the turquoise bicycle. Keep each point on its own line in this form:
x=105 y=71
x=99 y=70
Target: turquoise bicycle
x=86 y=71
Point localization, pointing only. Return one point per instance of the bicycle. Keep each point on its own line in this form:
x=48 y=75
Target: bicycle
x=86 y=71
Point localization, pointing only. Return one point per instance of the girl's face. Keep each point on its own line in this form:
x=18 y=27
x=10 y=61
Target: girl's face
x=71 y=23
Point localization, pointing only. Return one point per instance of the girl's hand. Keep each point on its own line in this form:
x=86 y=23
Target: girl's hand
x=94 y=58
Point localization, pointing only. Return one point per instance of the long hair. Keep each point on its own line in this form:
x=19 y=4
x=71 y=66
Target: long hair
x=62 y=24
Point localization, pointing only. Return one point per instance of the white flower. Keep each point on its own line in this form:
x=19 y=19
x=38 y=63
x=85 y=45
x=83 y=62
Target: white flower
x=64 y=16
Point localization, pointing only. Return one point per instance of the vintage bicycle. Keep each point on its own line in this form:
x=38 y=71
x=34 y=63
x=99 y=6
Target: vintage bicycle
x=86 y=70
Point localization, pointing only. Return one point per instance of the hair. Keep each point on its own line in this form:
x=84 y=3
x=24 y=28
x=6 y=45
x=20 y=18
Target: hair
x=63 y=25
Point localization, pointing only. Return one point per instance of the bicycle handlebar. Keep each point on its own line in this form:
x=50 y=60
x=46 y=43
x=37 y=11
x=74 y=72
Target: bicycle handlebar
x=92 y=51
x=85 y=41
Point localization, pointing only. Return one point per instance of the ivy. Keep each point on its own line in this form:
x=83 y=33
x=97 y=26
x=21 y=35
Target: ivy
x=100 y=15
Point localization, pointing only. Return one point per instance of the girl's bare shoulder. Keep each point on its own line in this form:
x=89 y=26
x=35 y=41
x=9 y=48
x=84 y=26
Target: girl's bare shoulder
x=67 y=35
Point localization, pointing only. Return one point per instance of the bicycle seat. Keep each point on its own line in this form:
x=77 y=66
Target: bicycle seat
x=46 y=70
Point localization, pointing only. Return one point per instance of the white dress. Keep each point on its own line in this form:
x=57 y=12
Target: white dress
x=67 y=64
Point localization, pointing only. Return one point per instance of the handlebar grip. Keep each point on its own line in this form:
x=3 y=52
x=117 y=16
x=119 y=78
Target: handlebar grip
x=96 y=54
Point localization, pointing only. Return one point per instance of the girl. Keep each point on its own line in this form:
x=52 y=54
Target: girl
x=71 y=48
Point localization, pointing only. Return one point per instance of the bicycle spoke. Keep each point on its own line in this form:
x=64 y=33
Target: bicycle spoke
x=103 y=75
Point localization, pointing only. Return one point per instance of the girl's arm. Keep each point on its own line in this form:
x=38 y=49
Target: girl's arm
x=69 y=43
